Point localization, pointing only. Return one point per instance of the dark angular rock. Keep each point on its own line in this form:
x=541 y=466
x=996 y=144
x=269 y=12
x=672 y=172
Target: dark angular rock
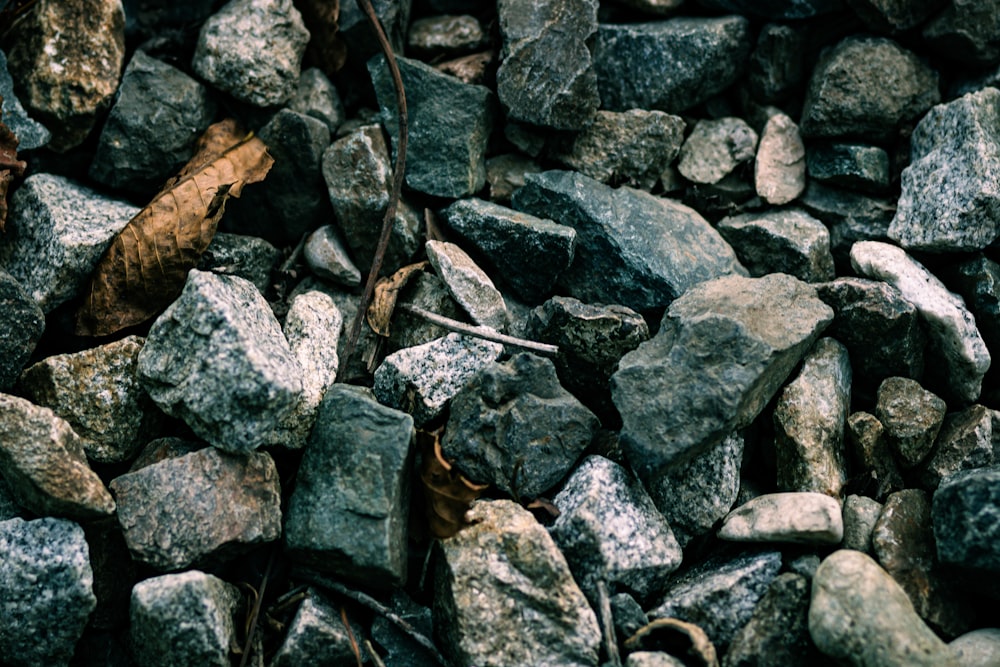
x=891 y=16
x=977 y=280
x=964 y=442
x=715 y=148
x=401 y=649
x=316 y=97
x=316 y=636
x=447 y=35
x=449 y=126
x=966 y=31
x=852 y=166
x=780 y=241
x=964 y=511
x=871 y=452
x=850 y=216
x=776 y=64
x=248 y=257
x=426 y=291
x=717 y=360
x=21 y=325
x=633 y=249
x=30 y=133
x=780 y=167
x=669 y=65
x=911 y=416
x=777 y=10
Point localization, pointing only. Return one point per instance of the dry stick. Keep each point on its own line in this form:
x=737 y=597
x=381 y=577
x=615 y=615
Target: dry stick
x=376 y=658
x=350 y=636
x=486 y=333
x=397 y=182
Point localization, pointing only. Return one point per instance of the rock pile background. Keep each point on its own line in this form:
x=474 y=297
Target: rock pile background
x=761 y=235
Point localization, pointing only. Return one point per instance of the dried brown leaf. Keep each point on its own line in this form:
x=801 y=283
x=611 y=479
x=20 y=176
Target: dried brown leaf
x=10 y=167
x=676 y=637
x=386 y=293
x=469 y=69
x=448 y=493
x=146 y=265
x=326 y=47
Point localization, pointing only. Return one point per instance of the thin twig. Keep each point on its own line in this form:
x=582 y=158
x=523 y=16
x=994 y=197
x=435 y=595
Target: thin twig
x=397 y=181
x=255 y=613
x=376 y=658
x=486 y=333
x=350 y=636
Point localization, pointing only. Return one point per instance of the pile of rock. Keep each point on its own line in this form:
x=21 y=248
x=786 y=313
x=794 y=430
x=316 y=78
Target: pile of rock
x=761 y=235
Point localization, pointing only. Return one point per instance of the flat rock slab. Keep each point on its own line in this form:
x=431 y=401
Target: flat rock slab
x=723 y=350
x=199 y=508
x=964 y=510
x=468 y=284
x=633 y=249
x=798 y=517
x=780 y=241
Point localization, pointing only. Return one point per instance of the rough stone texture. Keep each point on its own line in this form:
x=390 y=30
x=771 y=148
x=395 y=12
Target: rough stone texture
x=949 y=325
x=183 y=619
x=720 y=595
x=98 y=392
x=21 y=325
x=652 y=659
x=977 y=280
x=723 y=350
x=950 y=200
x=422 y=380
x=776 y=64
x=56 y=233
x=852 y=166
x=979 y=648
x=252 y=49
x=327 y=257
x=469 y=285
x=966 y=31
x=216 y=358
x=158 y=115
x=860 y=615
x=780 y=241
x=871 y=451
x=46 y=589
x=610 y=531
x=9 y=508
x=425 y=291
x=797 y=517
x=632 y=249
x=504 y=577
x=315 y=96
x=964 y=442
x=449 y=127
x=860 y=515
x=348 y=513
x=514 y=426
x=851 y=216
x=695 y=495
x=546 y=75
x=964 y=511
x=30 y=133
x=777 y=10
x=866 y=87
x=43 y=462
x=889 y=15
x=66 y=59
x=669 y=65
x=226 y=505
x=809 y=422
x=316 y=636
x=911 y=416
x=444 y=36
x=400 y=648
x=249 y=257
x=631 y=148
x=780 y=168
x=715 y=148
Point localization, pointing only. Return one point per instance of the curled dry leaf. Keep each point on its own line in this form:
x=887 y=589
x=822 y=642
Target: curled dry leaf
x=676 y=637
x=10 y=167
x=448 y=494
x=145 y=266
x=469 y=69
x=386 y=293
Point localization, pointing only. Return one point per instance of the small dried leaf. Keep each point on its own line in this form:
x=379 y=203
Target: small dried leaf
x=10 y=167
x=145 y=266
x=676 y=637
x=468 y=69
x=544 y=504
x=448 y=493
x=386 y=293
x=326 y=47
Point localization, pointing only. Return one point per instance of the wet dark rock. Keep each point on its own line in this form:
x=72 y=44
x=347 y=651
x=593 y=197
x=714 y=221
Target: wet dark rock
x=249 y=257
x=850 y=216
x=890 y=16
x=426 y=291
x=977 y=280
x=911 y=416
x=852 y=166
x=21 y=325
x=780 y=241
x=964 y=513
x=401 y=649
x=776 y=64
x=966 y=31
x=715 y=148
x=871 y=452
x=777 y=10
x=964 y=442
x=354 y=80
x=780 y=167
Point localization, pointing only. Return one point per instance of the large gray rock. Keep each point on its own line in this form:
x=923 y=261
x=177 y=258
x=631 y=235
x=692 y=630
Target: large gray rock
x=950 y=200
x=979 y=648
x=46 y=588
x=964 y=442
x=348 y=513
x=669 y=65
x=911 y=417
x=776 y=64
x=217 y=359
x=30 y=133
x=780 y=241
x=632 y=249
x=803 y=517
x=965 y=509
x=715 y=148
x=719 y=357
x=504 y=577
x=21 y=325
x=546 y=76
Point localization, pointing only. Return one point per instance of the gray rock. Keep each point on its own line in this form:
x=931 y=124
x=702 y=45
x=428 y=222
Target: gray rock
x=852 y=166
x=890 y=16
x=797 y=517
x=504 y=577
x=631 y=148
x=42 y=460
x=610 y=531
x=30 y=133
x=964 y=511
x=69 y=225
x=979 y=648
x=357 y=172
x=469 y=285
x=632 y=249
x=449 y=126
x=426 y=291
x=400 y=649
x=348 y=512
x=860 y=515
x=316 y=636
x=715 y=148
x=226 y=505
x=871 y=451
x=652 y=659
x=860 y=615
x=977 y=280
x=447 y=35
x=669 y=390
x=911 y=416
x=505 y=173
x=21 y=325
x=422 y=380
x=183 y=619
x=514 y=426
x=669 y=65
x=850 y=216
x=950 y=200
x=627 y=615
x=46 y=585
x=966 y=31
x=696 y=494
x=546 y=75
x=780 y=167
x=9 y=507
x=949 y=325
x=98 y=392
x=809 y=422
x=848 y=93
x=776 y=64
x=327 y=257
x=780 y=241
x=720 y=595
x=315 y=96
x=249 y=257
x=964 y=442
x=150 y=133
x=777 y=10
x=216 y=358
x=252 y=49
